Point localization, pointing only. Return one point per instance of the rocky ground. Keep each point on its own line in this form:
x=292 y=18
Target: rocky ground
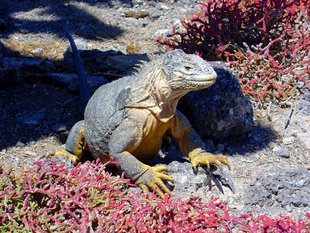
x=39 y=100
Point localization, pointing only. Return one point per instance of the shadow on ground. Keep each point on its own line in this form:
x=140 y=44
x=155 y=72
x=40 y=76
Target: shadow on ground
x=81 y=22
x=32 y=109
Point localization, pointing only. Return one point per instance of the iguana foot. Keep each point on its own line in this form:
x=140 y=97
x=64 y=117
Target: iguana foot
x=207 y=159
x=71 y=157
x=152 y=179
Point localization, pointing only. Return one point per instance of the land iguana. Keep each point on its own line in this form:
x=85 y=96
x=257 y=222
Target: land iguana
x=126 y=119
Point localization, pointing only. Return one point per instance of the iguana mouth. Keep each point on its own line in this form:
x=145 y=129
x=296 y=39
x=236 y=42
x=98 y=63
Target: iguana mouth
x=202 y=80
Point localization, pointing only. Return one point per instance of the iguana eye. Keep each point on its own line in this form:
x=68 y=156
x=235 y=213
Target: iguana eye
x=187 y=67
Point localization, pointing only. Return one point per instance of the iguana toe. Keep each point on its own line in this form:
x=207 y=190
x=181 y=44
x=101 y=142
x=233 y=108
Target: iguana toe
x=160 y=168
x=152 y=180
x=71 y=157
x=74 y=159
x=206 y=159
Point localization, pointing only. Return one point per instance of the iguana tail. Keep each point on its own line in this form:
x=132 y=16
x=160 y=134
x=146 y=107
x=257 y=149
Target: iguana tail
x=84 y=89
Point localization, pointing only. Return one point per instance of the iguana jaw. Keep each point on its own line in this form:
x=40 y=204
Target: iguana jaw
x=186 y=83
x=200 y=81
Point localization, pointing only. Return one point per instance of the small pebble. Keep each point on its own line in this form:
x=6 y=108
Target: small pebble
x=59 y=128
x=288 y=140
x=38 y=50
x=282 y=152
x=31 y=153
x=19 y=144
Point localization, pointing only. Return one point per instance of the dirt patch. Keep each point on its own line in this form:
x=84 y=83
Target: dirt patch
x=35 y=118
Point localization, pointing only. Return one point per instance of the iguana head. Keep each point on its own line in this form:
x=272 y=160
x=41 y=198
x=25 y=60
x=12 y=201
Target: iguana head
x=165 y=79
x=186 y=71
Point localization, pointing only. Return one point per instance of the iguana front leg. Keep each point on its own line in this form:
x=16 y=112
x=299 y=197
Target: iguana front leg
x=126 y=138
x=192 y=145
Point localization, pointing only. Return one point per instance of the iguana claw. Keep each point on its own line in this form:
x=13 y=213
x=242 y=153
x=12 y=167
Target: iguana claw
x=152 y=179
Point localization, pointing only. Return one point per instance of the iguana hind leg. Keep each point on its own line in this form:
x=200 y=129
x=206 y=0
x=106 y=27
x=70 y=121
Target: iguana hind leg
x=75 y=144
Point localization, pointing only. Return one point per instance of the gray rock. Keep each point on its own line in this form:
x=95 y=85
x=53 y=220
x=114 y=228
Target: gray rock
x=61 y=79
x=59 y=160
x=17 y=67
x=299 y=124
x=27 y=121
x=187 y=182
x=165 y=7
x=93 y=83
x=60 y=127
x=122 y=49
x=280 y=191
x=160 y=32
x=71 y=81
x=282 y=152
x=288 y=140
x=303 y=106
x=38 y=50
x=32 y=120
x=164 y=32
x=130 y=22
x=155 y=14
x=221 y=110
x=145 y=22
x=20 y=144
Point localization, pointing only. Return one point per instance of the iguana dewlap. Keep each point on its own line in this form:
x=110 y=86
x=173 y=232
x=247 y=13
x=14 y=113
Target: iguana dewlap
x=127 y=119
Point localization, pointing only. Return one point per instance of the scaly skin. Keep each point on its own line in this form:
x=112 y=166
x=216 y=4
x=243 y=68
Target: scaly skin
x=127 y=119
